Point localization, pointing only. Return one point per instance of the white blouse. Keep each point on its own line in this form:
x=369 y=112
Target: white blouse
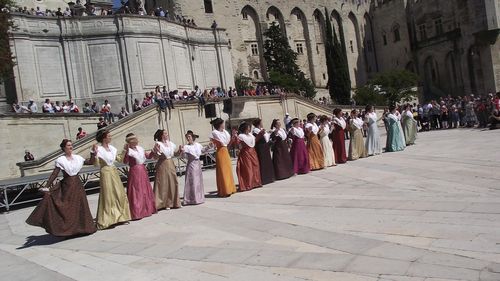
x=194 y=149
x=409 y=114
x=312 y=127
x=298 y=132
x=357 y=122
x=138 y=154
x=167 y=148
x=339 y=121
x=108 y=156
x=71 y=166
x=394 y=117
x=371 y=118
x=281 y=133
x=266 y=135
x=223 y=137
x=248 y=139
x=326 y=129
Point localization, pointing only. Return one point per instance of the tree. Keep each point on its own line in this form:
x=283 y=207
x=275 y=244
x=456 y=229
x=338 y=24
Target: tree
x=6 y=58
x=339 y=83
x=242 y=83
x=397 y=85
x=281 y=63
x=368 y=94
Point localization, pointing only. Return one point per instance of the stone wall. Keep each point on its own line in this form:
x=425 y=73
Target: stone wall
x=185 y=116
x=38 y=133
x=114 y=57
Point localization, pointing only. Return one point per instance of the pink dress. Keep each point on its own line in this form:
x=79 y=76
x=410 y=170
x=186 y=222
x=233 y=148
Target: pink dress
x=139 y=190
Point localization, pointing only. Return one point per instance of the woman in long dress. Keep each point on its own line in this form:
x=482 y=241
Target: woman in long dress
x=409 y=125
x=113 y=207
x=166 y=185
x=372 y=144
x=356 y=145
x=282 y=162
x=395 y=137
x=224 y=172
x=247 y=166
x=338 y=136
x=314 y=149
x=194 y=192
x=139 y=191
x=262 y=140
x=326 y=144
x=298 y=151
x=64 y=209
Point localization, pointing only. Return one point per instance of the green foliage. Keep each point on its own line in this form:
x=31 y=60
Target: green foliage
x=6 y=58
x=369 y=95
x=339 y=82
x=398 y=85
x=242 y=83
x=281 y=63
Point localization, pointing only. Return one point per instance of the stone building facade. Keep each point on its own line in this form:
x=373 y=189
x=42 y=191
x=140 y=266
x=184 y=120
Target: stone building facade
x=452 y=45
x=118 y=58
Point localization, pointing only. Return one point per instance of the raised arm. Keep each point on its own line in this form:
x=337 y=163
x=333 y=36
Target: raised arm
x=91 y=160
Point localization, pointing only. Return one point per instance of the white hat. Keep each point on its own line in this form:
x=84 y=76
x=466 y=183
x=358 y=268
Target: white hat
x=287 y=113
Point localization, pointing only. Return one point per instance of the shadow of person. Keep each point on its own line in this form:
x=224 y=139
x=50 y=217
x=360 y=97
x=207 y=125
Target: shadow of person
x=44 y=240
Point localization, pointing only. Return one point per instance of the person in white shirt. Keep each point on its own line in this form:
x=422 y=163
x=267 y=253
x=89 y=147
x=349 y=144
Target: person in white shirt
x=32 y=106
x=47 y=107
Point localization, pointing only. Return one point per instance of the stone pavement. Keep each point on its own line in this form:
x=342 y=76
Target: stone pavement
x=430 y=213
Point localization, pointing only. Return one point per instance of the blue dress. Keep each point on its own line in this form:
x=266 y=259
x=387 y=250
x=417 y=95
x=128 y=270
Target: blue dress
x=395 y=136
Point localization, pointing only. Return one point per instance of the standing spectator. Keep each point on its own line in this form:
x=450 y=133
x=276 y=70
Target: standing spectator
x=47 y=107
x=136 y=106
x=101 y=123
x=106 y=111
x=199 y=96
x=286 y=121
x=59 y=12
x=123 y=113
x=81 y=133
x=28 y=156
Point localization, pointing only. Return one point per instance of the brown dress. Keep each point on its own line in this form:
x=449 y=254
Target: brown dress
x=248 y=168
x=315 y=151
x=282 y=162
x=166 y=186
x=64 y=211
x=265 y=161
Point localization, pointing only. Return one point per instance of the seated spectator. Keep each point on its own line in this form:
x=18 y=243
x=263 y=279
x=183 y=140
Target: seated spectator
x=123 y=113
x=87 y=108
x=65 y=107
x=20 y=108
x=47 y=107
x=39 y=12
x=94 y=107
x=136 y=106
x=57 y=107
x=81 y=133
x=28 y=156
x=32 y=106
x=59 y=13
x=495 y=120
x=101 y=123
x=166 y=96
x=73 y=108
x=67 y=12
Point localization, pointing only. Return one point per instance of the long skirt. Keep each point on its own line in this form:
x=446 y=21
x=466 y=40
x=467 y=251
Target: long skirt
x=113 y=204
x=166 y=186
x=315 y=152
x=356 y=145
x=64 y=211
x=248 y=170
x=224 y=173
x=299 y=155
x=282 y=162
x=265 y=162
x=339 y=145
x=194 y=192
x=328 y=154
x=140 y=193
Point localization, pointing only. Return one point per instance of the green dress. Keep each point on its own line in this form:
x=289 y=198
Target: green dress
x=409 y=128
x=395 y=136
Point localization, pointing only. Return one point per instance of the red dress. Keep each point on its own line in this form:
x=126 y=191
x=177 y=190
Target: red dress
x=248 y=168
x=339 y=144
